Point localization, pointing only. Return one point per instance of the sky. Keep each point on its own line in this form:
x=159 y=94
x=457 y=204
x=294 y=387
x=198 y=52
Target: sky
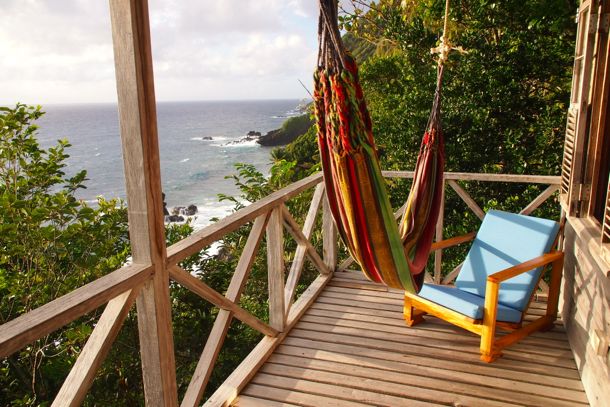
x=60 y=51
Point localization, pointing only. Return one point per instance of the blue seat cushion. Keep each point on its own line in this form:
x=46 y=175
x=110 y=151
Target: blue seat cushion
x=505 y=240
x=465 y=303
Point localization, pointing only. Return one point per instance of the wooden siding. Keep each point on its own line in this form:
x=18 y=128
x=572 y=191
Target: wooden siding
x=586 y=308
x=352 y=348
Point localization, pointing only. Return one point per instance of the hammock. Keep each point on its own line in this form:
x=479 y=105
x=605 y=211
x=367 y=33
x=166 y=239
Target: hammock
x=387 y=253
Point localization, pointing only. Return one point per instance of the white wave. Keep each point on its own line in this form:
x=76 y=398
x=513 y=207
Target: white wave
x=98 y=154
x=250 y=143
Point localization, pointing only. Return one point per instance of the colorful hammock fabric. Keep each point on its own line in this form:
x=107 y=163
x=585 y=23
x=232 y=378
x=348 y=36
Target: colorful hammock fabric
x=389 y=254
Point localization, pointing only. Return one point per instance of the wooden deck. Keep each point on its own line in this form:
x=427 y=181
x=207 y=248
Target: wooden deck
x=351 y=348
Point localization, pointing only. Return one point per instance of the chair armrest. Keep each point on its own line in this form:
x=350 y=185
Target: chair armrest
x=525 y=266
x=443 y=244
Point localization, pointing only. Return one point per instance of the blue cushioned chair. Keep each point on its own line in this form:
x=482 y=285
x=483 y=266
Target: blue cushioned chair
x=497 y=281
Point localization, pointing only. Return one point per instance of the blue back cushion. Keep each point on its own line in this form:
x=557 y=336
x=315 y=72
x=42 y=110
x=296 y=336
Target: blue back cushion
x=504 y=240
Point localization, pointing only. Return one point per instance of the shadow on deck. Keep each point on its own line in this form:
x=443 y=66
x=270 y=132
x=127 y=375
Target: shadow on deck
x=352 y=348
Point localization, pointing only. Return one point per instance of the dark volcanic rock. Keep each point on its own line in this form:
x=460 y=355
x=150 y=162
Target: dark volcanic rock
x=190 y=210
x=174 y=218
x=253 y=133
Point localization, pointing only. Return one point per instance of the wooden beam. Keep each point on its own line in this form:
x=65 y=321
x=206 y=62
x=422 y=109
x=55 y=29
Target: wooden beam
x=25 y=329
x=539 y=200
x=215 y=340
x=525 y=266
x=76 y=385
x=330 y=241
x=467 y=199
x=438 y=254
x=200 y=239
x=453 y=274
x=230 y=389
x=206 y=292
x=293 y=228
x=275 y=270
x=443 y=244
x=138 y=125
x=299 y=257
x=472 y=176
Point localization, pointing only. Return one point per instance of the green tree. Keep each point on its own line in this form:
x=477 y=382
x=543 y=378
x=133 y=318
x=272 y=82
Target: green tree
x=50 y=243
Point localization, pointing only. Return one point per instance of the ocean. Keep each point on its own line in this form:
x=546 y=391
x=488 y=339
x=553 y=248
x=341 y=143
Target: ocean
x=197 y=147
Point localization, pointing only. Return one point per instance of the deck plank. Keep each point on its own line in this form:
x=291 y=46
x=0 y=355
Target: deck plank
x=352 y=348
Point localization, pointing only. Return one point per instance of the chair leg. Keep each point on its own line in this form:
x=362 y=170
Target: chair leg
x=412 y=316
x=489 y=352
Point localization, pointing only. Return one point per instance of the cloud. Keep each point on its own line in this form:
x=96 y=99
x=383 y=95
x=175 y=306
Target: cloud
x=61 y=51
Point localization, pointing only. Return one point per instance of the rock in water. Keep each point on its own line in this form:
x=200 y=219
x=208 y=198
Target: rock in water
x=174 y=218
x=190 y=210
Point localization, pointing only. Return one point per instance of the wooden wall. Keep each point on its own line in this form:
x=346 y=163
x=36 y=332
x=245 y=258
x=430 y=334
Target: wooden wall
x=586 y=308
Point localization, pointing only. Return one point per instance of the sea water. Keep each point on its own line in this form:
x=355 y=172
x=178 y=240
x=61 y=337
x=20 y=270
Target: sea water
x=196 y=142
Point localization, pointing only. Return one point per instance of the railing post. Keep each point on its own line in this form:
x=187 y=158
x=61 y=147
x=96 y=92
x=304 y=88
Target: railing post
x=138 y=125
x=329 y=237
x=438 y=255
x=275 y=266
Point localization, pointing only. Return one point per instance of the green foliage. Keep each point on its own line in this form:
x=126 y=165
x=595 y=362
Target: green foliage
x=50 y=243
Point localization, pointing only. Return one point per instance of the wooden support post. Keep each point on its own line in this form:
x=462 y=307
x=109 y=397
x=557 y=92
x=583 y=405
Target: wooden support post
x=138 y=125
x=329 y=236
x=438 y=254
x=275 y=265
x=488 y=328
x=554 y=288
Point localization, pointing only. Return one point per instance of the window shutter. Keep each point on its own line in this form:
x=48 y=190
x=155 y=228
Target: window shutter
x=572 y=170
x=568 y=153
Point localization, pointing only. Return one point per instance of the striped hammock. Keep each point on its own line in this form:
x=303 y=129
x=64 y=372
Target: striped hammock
x=395 y=255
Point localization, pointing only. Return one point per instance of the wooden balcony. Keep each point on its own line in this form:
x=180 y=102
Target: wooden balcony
x=341 y=342
x=352 y=348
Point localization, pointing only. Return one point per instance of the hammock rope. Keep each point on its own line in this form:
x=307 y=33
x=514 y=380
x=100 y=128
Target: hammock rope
x=387 y=253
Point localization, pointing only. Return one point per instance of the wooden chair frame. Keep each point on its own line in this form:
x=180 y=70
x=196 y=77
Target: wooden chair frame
x=415 y=307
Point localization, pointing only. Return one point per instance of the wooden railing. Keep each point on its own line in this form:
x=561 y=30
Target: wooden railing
x=270 y=216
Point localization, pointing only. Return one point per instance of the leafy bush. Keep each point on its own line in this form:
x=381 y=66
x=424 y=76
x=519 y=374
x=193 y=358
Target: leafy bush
x=50 y=243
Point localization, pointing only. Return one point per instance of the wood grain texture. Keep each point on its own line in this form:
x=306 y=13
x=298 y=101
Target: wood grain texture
x=438 y=236
x=230 y=389
x=352 y=343
x=275 y=270
x=526 y=266
x=330 y=238
x=76 y=385
x=140 y=144
x=443 y=244
x=206 y=292
x=35 y=324
x=215 y=340
x=293 y=228
x=298 y=262
x=472 y=176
